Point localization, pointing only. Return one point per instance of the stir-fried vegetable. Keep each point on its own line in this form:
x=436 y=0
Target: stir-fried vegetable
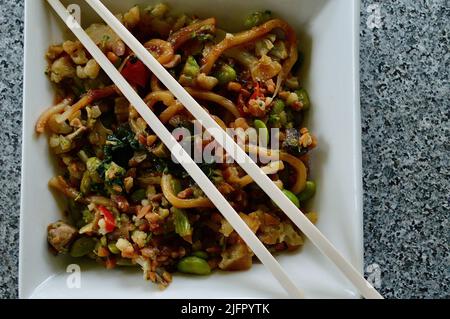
x=257 y=18
x=191 y=68
x=291 y=197
x=120 y=146
x=182 y=224
x=303 y=98
x=136 y=72
x=82 y=246
x=109 y=220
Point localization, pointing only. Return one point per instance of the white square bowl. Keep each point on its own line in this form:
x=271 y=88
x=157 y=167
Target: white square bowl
x=329 y=38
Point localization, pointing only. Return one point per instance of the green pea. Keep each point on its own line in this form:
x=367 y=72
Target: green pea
x=113 y=248
x=191 y=68
x=278 y=106
x=308 y=192
x=200 y=254
x=138 y=195
x=194 y=265
x=291 y=197
x=303 y=98
x=262 y=129
x=226 y=74
x=82 y=246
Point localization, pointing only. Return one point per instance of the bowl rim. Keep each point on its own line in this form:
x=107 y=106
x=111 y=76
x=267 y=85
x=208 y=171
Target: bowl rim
x=356 y=142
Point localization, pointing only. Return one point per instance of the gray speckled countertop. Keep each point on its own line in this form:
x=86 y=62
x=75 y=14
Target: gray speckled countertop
x=405 y=101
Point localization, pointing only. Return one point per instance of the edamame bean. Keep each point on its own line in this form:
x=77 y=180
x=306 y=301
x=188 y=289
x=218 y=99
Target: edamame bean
x=291 y=197
x=226 y=74
x=200 y=254
x=262 y=129
x=308 y=192
x=194 y=265
x=82 y=246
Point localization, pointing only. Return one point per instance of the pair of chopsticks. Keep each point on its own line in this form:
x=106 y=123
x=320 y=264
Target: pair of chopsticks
x=224 y=140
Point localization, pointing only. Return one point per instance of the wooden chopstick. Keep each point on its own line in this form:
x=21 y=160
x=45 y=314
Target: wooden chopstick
x=224 y=140
x=180 y=154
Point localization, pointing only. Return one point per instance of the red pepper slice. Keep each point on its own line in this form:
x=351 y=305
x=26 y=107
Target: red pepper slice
x=136 y=73
x=110 y=222
x=256 y=92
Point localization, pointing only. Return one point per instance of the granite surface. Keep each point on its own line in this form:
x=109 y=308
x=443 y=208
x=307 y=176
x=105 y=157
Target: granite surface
x=405 y=101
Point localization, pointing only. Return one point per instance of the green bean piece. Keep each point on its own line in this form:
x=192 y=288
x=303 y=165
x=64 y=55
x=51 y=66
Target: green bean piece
x=257 y=18
x=191 y=68
x=308 y=192
x=303 y=97
x=113 y=248
x=92 y=164
x=226 y=74
x=194 y=265
x=138 y=195
x=83 y=156
x=200 y=254
x=292 y=197
x=85 y=185
x=176 y=186
x=82 y=246
x=75 y=213
x=182 y=224
x=263 y=131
